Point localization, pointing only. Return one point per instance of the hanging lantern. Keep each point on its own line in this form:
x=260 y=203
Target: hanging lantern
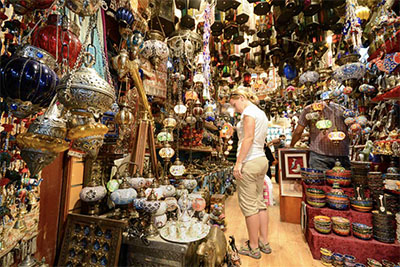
x=262 y=8
x=177 y=169
x=349 y=71
x=198 y=110
x=124 y=116
x=43 y=141
x=247 y=78
x=28 y=81
x=170 y=122
x=164 y=136
x=309 y=77
x=124 y=16
x=363 y=12
x=180 y=109
x=167 y=152
x=349 y=121
x=85 y=7
x=86 y=90
x=243 y=12
x=367 y=89
x=290 y=72
x=336 y=136
x=323 y=124
x=58 y=41
x=348 y=113
x=347 y=90
x=355 y=127
x=155 y=49
x=21 y=7
x=191 y=95
x=362 y=120
x=311 y=7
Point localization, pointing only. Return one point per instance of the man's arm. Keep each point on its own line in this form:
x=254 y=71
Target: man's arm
x=297 y=135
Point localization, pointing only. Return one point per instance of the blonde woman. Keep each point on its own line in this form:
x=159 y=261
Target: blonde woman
x=249 y=171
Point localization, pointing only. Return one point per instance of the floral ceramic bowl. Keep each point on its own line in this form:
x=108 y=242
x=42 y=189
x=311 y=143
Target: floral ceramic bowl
x=342 y=181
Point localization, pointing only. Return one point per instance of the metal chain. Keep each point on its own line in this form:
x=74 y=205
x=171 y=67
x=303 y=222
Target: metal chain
x=92 y=24
x=105 y=61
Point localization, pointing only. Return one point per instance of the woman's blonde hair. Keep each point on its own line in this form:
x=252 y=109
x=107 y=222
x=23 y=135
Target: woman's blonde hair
x=235 y=94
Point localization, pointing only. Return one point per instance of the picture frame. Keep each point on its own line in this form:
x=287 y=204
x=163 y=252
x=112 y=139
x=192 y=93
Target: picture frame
x=290 y=163
x=293 y=160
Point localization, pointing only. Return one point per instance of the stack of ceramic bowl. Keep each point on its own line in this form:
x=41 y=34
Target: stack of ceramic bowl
x=398 y=226
x=337 y=199
x=316 y=197
x=375 y=180
x=326 y=256
x=362 y=205
x=373 y=263
x=359 y=172
x=386 y=263
x=312 y=176
x=349 y=260
x=392 y=203
x=337 y=259
x=322 y=224
x=343 y=178
x=340 y=225
x=383 y=226
x=362 y=231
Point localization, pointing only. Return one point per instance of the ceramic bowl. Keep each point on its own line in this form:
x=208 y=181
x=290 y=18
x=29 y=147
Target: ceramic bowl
x=322 y=224
x=340 y=225
x=342 y=181
x=362 y=205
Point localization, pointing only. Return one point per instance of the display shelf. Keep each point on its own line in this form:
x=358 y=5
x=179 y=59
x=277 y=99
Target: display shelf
x=390 y=46
x=350 y=245
x=361 y=249
x=352 y=215
x=349 y=191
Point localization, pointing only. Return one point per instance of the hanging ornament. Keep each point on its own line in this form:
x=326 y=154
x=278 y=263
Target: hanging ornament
x=355 y=127
x=169 y=122
x=347 y=90
x=177 y=169
x=60 y=41
x=28 y=81
x=336 y=136
x=167 y=152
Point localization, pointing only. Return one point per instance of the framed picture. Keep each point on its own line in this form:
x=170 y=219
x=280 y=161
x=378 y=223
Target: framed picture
x=290 y=163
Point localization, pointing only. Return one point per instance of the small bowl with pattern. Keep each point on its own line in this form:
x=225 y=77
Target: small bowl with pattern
x=373 y=263
x=326 y=256
x=322 y=224
x=340 y=226
x=312 y=176
x=362 y=231
x=362 y=205
x=342 y=181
